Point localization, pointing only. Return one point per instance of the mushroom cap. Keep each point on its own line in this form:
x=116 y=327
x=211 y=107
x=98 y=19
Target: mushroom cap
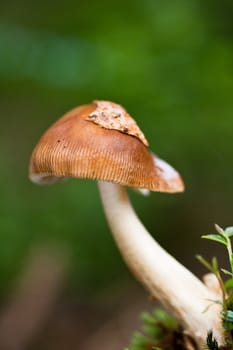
x=100 y=141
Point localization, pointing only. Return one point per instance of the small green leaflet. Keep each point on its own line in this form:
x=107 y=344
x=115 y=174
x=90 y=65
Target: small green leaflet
x=227 y=272
x=204 y=262
x=228 y=315
x=229 y=231
x=229 y=283
x=231 y=259
x=219 y=229
x=216 y=238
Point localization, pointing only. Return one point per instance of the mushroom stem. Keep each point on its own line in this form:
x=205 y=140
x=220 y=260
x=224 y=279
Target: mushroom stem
x=178 y=290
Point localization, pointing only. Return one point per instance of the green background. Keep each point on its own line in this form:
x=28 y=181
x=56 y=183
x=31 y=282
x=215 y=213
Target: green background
x=170 y=64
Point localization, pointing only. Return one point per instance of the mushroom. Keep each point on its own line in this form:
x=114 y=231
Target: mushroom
x=101 y=141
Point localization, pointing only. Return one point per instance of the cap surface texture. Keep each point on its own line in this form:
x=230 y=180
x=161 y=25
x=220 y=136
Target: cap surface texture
x=100 y=141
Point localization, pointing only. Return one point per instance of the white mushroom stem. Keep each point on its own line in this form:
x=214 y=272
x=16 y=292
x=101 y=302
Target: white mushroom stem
x=179 y=291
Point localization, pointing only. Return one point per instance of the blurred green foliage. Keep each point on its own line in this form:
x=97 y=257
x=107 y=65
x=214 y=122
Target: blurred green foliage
x=159 y=331
x=170 y=63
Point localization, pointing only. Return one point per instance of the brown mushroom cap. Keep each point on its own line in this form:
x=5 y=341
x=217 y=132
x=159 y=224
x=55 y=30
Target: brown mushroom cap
x=100 y=141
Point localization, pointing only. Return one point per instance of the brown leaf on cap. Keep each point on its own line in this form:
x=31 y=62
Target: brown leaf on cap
x=112 y=116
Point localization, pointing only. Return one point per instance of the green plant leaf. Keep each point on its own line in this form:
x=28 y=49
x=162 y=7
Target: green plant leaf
x=231 y=260
x=204 y=262
x=219 y=230
x=227 y=272
x=229 y=283
x=215 y=265
x=229 y=231
x=163 y=317
x=139 y=341
x=216 y=238
x=212 y=302
x=228 y=316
